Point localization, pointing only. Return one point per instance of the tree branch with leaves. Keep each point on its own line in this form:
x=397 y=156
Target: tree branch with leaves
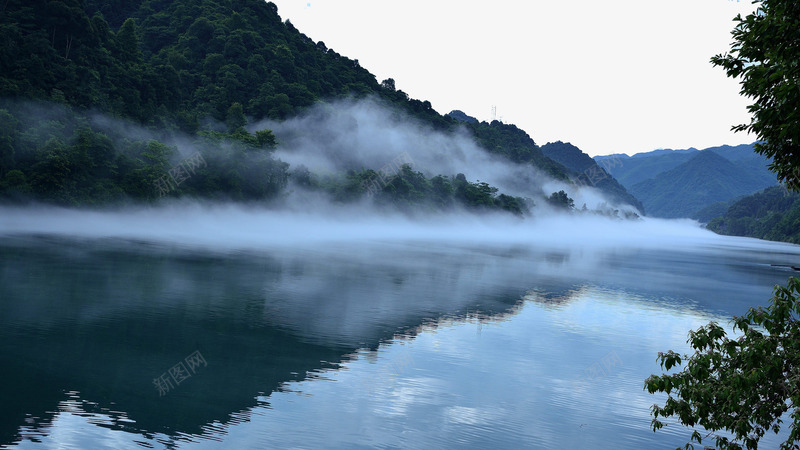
x=765 y=55
x=742 y=385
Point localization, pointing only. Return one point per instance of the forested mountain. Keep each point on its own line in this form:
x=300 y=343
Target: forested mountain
x=563 y=161
x=461 y=116
x=510 y=142
x=208 y=70
x=569 y=155
x=713 y=210
x=705 y=179
x=588 y=172
x=772 y=214
x=715 y=186
x=169 y=62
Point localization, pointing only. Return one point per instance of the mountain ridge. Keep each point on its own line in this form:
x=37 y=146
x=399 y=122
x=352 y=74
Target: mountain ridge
x=704 y=179
x=640 y=173
x=212 y=71
x=586 y=170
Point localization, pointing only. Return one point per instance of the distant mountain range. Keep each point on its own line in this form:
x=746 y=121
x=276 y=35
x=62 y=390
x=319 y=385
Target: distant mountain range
x=729 y=187
x=215 y=71
x=685 y=183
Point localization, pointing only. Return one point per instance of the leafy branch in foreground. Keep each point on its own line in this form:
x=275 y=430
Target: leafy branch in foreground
x=742 y=386
x=764 y=54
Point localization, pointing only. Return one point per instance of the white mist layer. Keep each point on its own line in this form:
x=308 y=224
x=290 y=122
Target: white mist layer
x=239 y=227
x=365 y=134
x=332 y=138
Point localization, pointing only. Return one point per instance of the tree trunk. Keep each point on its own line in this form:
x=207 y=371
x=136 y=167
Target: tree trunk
x=69 y=46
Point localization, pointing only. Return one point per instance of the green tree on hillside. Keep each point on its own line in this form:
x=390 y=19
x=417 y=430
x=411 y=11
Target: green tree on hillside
x=560 y=199
x=764 y=55
x=188 y=66
x=744 y=385
x=234 y=118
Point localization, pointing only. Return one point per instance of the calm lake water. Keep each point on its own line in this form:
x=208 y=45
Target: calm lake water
x=134 y=342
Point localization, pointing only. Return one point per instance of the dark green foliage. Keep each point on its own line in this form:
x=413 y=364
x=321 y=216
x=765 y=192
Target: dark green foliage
x=772 y=214
x=9 y=133
x=234 y=118
x=474 y=195
x=168 y=58
x=482 y=196
x=442 y=191
x=265 y=139
x=743 y=385
x=14 y=185
x=188 y=66
x=67 y=161
x=411 y=191
x=460 y=116
x=560 y=199
x=764 y=56
x=712 y=211
x=407 y=188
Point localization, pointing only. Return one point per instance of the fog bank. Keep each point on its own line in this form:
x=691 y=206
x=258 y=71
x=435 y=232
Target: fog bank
x=225 y=226
x=368 y=134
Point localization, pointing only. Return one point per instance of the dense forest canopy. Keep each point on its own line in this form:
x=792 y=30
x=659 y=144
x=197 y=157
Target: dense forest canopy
x=170 y=63
x=206 y=71
x=772 y=214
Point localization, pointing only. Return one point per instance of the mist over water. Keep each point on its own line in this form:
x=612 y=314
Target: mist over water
x=225 y=226
x=357 y=134
x=332 y=138
x=471 y=330
x=467 y=329
x=355 y=276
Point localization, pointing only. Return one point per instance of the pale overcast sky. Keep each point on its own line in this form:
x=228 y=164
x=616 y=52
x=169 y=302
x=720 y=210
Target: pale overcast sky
x=617 y=76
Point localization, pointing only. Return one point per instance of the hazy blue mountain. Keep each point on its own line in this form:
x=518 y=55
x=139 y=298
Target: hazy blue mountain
x=737 y=153
x=747 y=159
x=703 y=180
x=664 y=151
x=643 y=174
x=630 y=170
x=586 y=170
